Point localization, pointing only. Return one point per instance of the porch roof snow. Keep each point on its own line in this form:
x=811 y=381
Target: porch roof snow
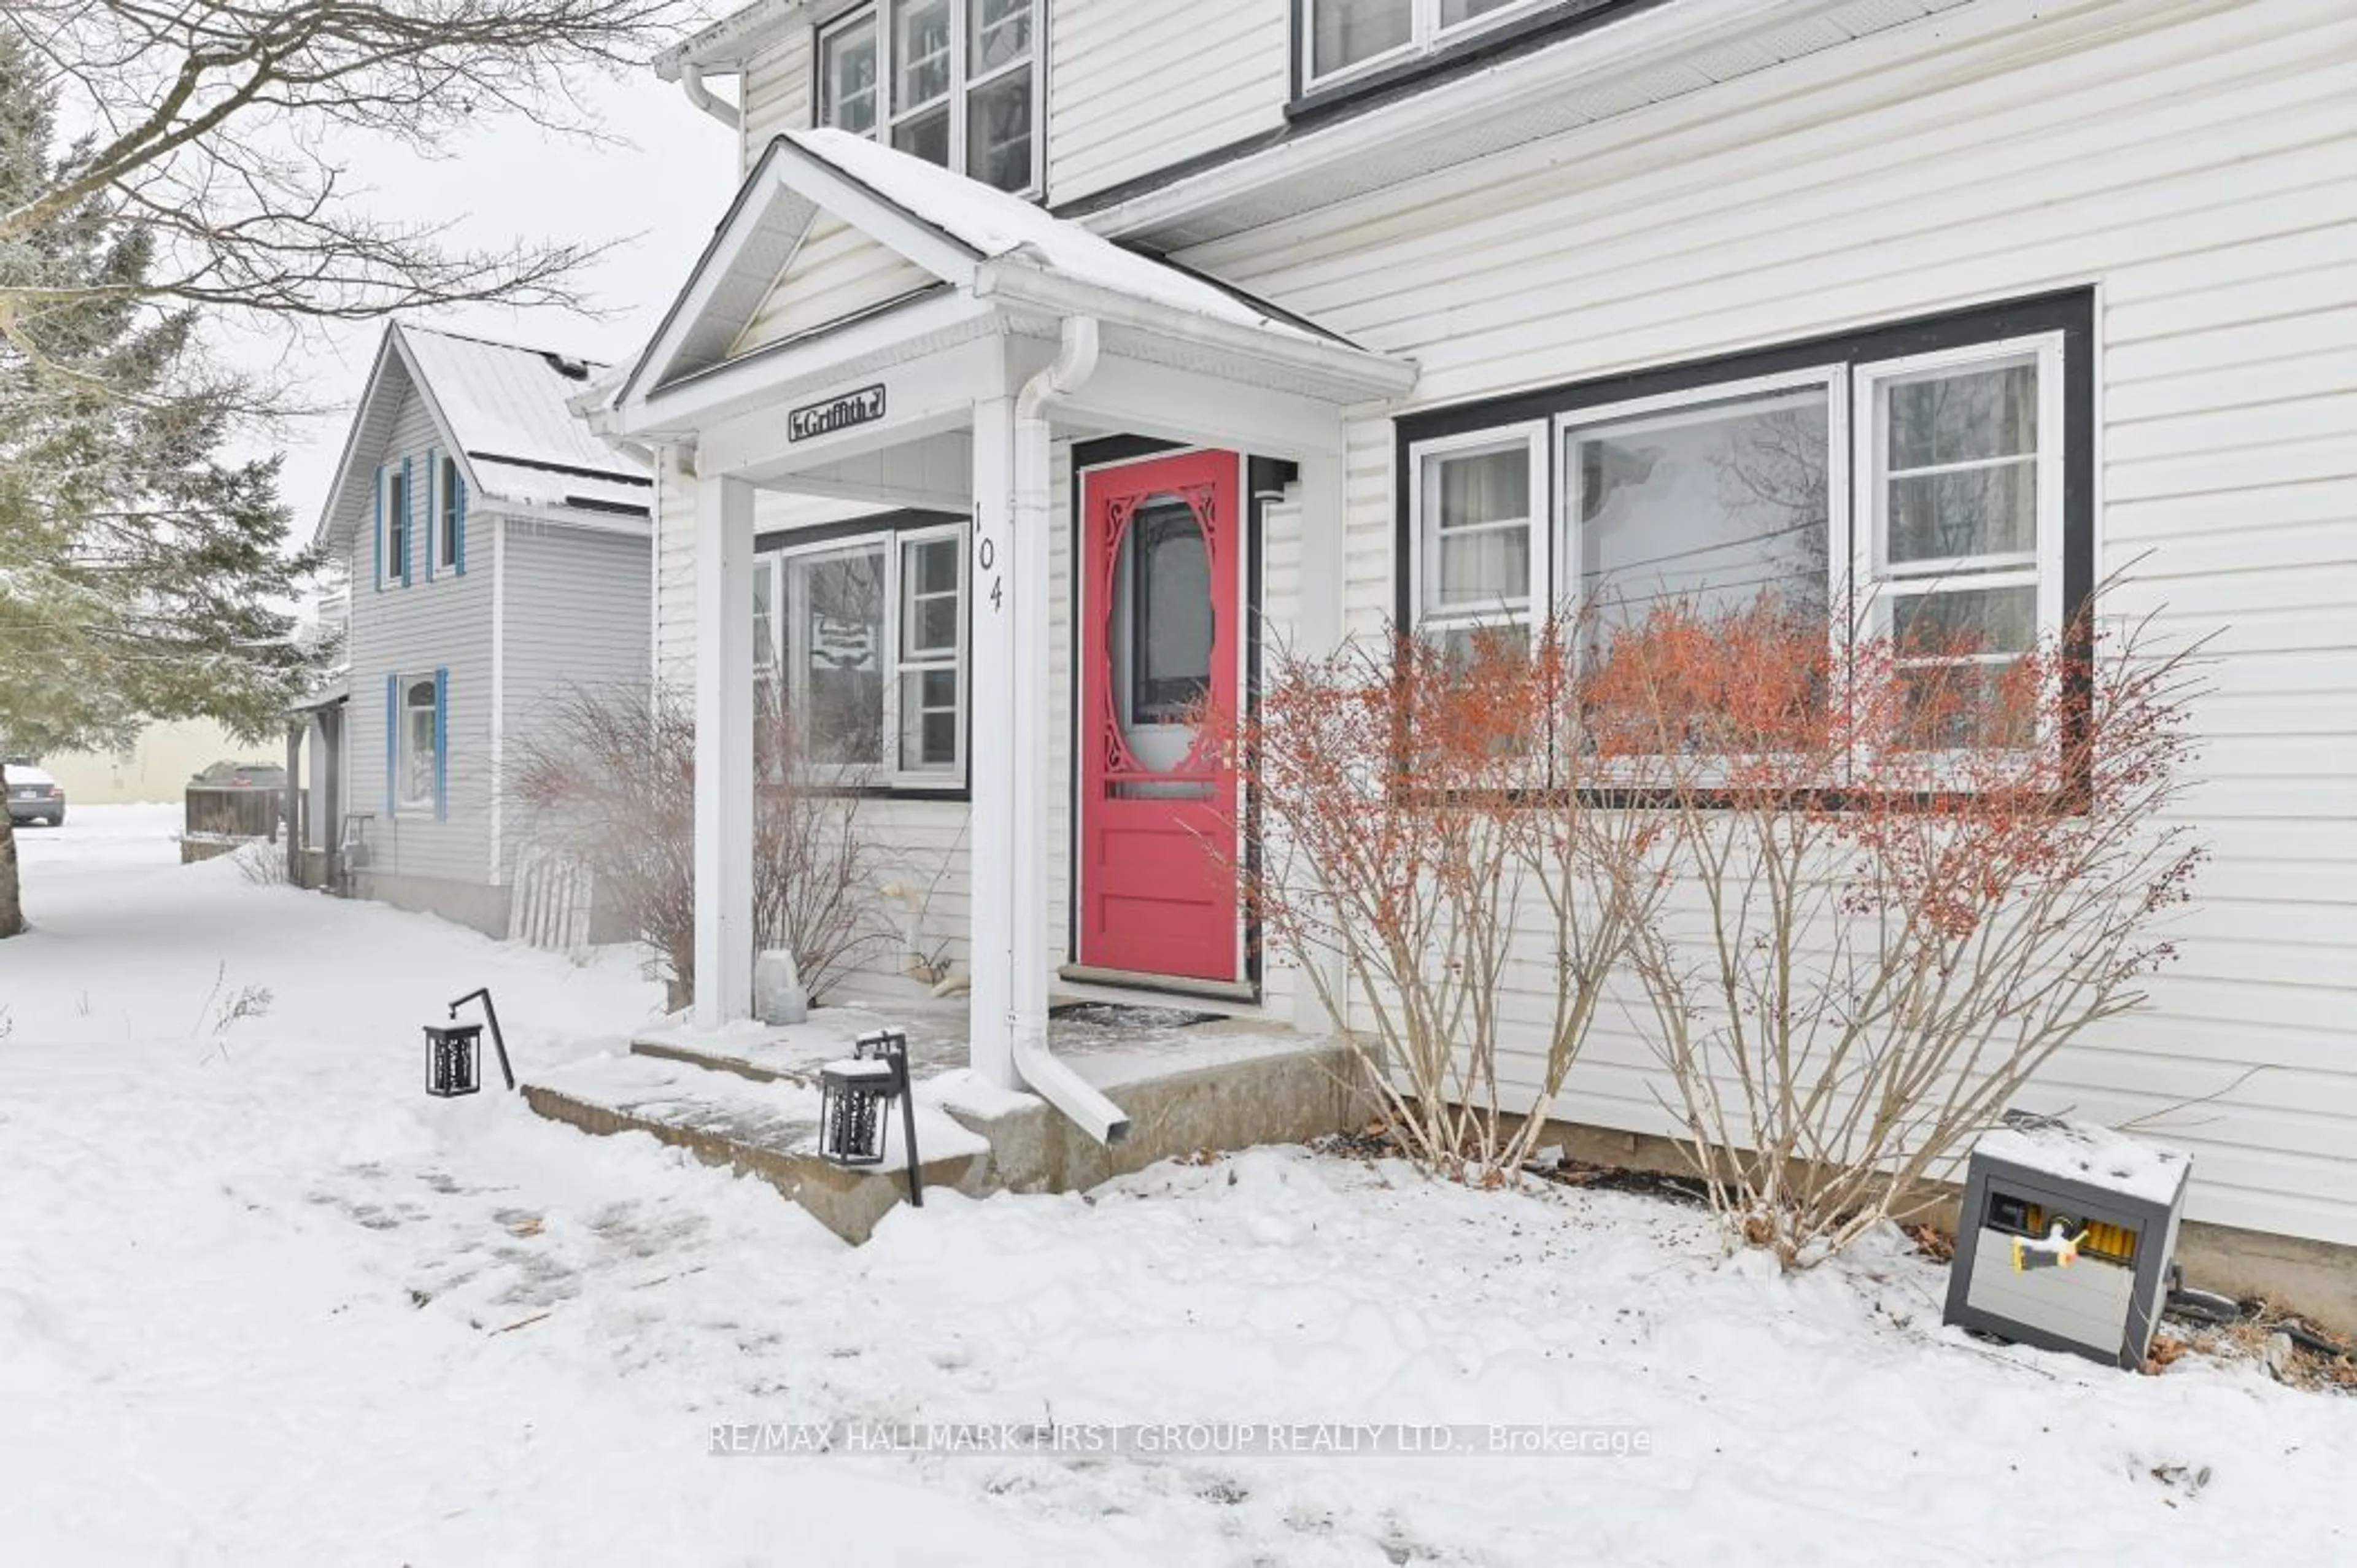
x=993 y=225
x=972 y=239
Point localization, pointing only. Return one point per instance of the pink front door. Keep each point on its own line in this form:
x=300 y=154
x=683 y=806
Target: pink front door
x=1161 y=569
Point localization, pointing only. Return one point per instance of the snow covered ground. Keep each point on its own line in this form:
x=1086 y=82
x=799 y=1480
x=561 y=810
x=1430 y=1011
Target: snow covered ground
x=261 y=1301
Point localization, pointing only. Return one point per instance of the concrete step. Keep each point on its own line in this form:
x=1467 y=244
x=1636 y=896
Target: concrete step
x=763 y=1128
x=746 y=1097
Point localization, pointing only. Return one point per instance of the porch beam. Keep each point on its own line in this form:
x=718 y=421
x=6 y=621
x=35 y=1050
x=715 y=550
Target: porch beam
x=1143 y=399
x=723 y=752
x=832 y=356
x=923 y=397
x=882 y=493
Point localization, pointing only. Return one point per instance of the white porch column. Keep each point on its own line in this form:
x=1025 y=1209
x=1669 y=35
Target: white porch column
x=997 y=770
x=723 y=752
x=1318 y=630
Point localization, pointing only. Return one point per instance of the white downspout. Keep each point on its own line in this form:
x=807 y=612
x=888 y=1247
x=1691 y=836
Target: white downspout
x=691 y=82
x=1054 y=1080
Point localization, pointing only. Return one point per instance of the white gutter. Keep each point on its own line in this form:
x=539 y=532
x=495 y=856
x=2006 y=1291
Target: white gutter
x=1054 y=1080
x=691 y=82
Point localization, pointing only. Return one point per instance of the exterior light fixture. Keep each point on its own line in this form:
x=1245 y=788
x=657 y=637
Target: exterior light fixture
x=453 y=1065
x=855 y=1097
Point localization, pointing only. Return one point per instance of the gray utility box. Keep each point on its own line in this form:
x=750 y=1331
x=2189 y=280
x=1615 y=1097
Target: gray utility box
x=2066 y=1238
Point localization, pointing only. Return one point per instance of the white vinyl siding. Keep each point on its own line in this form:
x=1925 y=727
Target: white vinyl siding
x=412 y=633
x=775 y=91
x=1135 y=89
x=576 y=623
x=834 y=273
x=2191 y=164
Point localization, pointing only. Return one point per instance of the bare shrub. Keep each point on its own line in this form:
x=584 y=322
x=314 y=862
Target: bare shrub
x=1904 y=879
x=1421 y=829
x=608 y=778
x=263 y=862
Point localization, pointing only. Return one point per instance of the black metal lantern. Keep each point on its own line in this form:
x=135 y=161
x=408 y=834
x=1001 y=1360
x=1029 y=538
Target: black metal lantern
x=450 y=1063
x=855 y=1095
x=453 y=1051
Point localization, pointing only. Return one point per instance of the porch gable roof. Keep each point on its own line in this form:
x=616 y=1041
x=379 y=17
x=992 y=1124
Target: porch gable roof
x=966 y=237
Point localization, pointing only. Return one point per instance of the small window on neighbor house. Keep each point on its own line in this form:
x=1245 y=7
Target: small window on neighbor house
x=1346 y=37
x=420 y=756
x=452 y=507
x=963 y=97
x=396 y=524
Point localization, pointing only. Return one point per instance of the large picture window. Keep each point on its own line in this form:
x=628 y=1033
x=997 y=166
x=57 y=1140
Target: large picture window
x=1715 y=503
x=1345 y=37
x=869 y=637
x=1867 y=486
x=952 y=82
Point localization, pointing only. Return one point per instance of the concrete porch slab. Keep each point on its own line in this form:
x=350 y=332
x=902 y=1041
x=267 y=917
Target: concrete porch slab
x=746 y=1098
x=766 y=1129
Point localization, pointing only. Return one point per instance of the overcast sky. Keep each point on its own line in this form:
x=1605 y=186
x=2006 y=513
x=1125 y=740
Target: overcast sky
x=660 y=194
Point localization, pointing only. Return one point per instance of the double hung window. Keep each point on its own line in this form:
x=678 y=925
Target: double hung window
x=952 y=82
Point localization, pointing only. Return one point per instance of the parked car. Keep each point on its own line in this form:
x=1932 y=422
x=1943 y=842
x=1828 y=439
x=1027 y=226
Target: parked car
x=242 y=775
x=34 y=796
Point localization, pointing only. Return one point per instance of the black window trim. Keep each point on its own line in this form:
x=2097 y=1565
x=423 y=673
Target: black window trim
x=2071 y=313
x=885 y=527
x=1477 y=46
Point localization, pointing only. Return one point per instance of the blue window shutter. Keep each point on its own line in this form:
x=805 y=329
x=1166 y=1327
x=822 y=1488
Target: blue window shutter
x=433 y=529
x=408 y=514
x=442 y=745
x=459 y=503
x=379 y=553
x=391 y=743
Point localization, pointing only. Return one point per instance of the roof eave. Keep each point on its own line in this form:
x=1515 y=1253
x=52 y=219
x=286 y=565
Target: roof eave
x=730 y=41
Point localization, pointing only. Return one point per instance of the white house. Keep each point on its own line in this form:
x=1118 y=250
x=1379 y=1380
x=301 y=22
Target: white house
x=498 y=558
x=1192 y=324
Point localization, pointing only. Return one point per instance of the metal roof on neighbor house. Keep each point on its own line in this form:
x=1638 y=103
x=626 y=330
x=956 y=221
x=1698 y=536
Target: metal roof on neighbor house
x=505 y=408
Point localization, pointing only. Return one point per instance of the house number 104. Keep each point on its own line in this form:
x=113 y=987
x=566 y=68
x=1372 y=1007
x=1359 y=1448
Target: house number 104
x=986 y=552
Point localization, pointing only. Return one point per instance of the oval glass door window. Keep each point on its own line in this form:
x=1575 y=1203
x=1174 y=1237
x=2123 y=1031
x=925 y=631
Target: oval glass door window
x=1163 y=627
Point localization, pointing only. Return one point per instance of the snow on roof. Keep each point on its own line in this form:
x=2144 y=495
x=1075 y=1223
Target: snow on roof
x=993 y=225
x=2085 y=1152
x=507 y=408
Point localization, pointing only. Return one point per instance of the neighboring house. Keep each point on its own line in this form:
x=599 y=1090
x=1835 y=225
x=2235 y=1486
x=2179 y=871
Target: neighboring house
x=499 y=559
x=1288 y=317
x=156 y=767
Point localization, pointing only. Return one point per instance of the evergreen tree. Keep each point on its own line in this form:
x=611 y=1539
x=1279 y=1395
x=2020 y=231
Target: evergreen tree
x=144 y=572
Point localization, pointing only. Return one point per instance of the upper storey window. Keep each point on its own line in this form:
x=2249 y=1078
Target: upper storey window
x=1346 y=37
x=952 y=82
